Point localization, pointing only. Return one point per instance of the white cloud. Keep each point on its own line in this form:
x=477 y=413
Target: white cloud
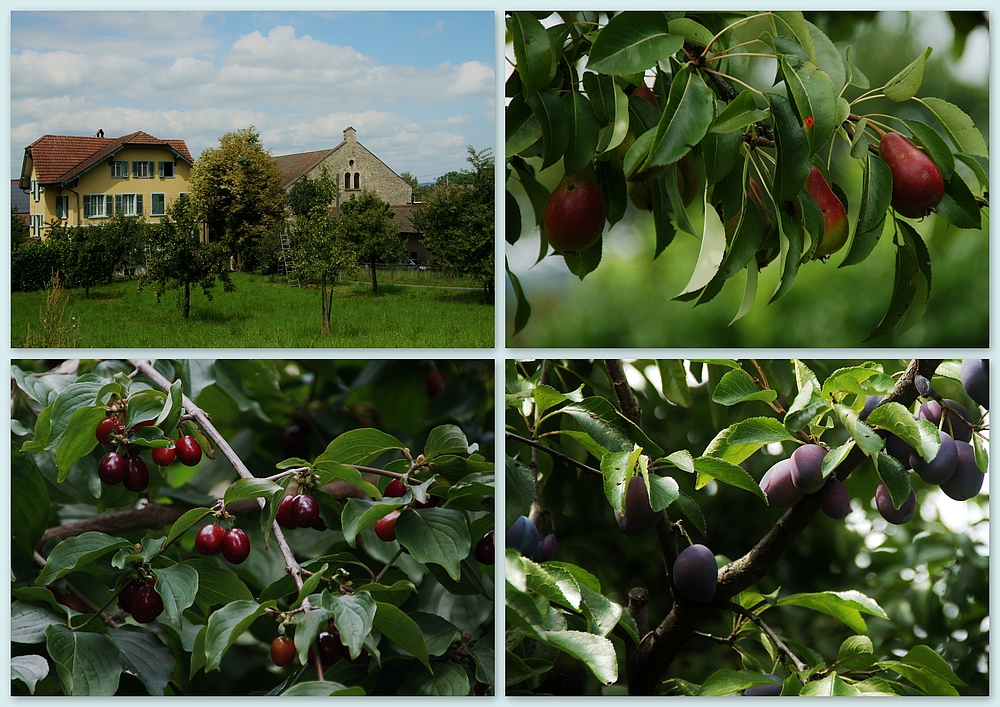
x=436 y=29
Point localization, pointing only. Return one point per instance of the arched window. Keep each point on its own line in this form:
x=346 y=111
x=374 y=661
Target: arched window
x=357 y=180
x=347 y=180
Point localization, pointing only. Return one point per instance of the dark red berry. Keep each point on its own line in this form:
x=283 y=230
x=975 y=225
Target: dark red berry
x=429 y=503
x=284 y=516
x=209 y=540
x=188 y=450
x=282 y=650
x=395 y=489
x=236 y=546
x=319 y=524
x=330 y=648
x=434 y=382
x=294 y=442
x=164 y=456
x=136 y=474
x=484 y=549
x=304 y=510
x=107 y=426
x=385 y=528
x=127 y=595
x=140 y=425
x=112 y=468
x=147 y=604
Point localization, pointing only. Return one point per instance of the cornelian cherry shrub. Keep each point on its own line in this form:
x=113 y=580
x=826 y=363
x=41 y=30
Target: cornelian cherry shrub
x=206 y=527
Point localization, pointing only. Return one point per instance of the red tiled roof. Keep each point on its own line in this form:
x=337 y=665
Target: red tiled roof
x=294 y=166
x=61 y=158
x=404 y=216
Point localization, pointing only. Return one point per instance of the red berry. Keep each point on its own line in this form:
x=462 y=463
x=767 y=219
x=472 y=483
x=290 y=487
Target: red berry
x=484 y=549
x=107 y=426
x=209 y=540
x=429 y=503
x=294 y=442
x=136 y=474
x=304 y=510
x=112 y=468
x=188 y=450
x=164 y=456
x=284 y=516
x=282 y=650
x=236 y=546
x=140 y=425
x=318 y=524
x=395 y=489
x=127 y=595
x=330 y=648
x=147 y=604
x=385 y=528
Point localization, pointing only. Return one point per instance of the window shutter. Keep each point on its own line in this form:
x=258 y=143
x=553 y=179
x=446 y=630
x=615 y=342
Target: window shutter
x=161 y=170
x=118 y=203
x=107 y=205
x=86 y=206
x=138 y=204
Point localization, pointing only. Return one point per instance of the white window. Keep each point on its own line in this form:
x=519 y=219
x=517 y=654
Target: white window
x=62 y=207
x=128 y=204
x=142 y=170
x=167 y=170
x=96 y=205
x=157 y=204
x=36 y=225
x=119 y=170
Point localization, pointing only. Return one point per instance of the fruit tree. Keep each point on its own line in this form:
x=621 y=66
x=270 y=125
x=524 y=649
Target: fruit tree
x=752 y=135
x=210 y=527
x=773 y=537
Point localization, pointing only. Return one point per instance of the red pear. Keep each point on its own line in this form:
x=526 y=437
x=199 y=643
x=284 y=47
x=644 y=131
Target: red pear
x=644 y=91
x=575 y=212
x=834 y=216
x=917 y=184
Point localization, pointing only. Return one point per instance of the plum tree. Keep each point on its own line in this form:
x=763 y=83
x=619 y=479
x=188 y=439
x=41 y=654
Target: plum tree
x=967 y=480
x=941 y=467
x=741 y=98
x=695 y=573
x=778 y=589
x=976 y=380
x=522 y=536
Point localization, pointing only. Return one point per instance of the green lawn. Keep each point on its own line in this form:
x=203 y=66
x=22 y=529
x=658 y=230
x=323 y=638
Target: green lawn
x=266 y=314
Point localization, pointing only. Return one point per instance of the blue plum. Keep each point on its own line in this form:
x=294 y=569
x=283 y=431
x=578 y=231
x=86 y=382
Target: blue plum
x=807 y=468
x=696 y=573
x=967 y=481
x=777 y=484
x=896 y=516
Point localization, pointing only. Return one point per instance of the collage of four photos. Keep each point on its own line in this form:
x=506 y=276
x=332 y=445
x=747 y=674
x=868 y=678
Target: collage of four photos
x=775 y=222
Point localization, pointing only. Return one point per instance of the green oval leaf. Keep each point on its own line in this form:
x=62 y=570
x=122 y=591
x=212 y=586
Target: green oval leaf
x=401 y=630
x=87 y=663
x=534 y=54
x=77 y=552
x=685 y=119
x=904 y=85
x=438 y=535
x=226 y=625
x=632 y=42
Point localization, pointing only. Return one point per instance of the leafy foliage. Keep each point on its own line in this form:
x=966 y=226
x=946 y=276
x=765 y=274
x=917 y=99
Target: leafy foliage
x=321 y=254
x=691 y=146
x=457 y=222
x=412 y=616
x=307 y=194
x=178 y=258
x=90 y=255
x=827 y=605
x=236 y=190
x=365 y=222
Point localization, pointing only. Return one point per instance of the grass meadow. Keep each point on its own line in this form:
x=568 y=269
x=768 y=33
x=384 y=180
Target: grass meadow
x=262 y=313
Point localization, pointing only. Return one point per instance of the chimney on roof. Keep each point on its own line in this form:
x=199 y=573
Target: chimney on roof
x=100 y=133
x=350 y=135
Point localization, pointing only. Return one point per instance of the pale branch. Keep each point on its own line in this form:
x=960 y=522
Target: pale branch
x=665 y=643
x=152 y=515
x=770 y=633
x=553 y=453
x=205 y=423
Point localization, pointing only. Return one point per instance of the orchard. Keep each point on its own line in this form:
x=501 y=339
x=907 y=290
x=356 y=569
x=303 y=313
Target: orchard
x=723 y=527
x=738 y=150
x=212 y=527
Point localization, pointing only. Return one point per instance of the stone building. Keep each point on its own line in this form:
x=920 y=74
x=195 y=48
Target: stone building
x=355 y=168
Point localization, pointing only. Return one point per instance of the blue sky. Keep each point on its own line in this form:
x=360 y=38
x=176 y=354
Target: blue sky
x=417 y=86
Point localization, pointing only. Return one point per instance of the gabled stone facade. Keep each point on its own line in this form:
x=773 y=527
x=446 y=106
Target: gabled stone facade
x=354 y=167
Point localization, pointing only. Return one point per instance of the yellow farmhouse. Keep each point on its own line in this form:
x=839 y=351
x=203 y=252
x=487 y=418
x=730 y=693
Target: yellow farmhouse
x=81 y=181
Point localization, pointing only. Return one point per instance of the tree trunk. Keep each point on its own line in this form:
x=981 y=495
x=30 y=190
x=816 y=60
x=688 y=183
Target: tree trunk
x=374 y=278
x=187 y=299
x=326 y=307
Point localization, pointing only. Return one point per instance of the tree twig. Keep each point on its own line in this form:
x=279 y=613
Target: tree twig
x=769 y=632
x=199 y=415
x=553 y=453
